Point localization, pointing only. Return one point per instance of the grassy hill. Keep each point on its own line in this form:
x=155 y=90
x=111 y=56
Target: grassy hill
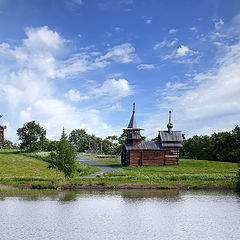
x=23 y=169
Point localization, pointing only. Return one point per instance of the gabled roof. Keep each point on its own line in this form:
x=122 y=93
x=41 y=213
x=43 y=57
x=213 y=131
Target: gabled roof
x=172 y=139
x=144 y=145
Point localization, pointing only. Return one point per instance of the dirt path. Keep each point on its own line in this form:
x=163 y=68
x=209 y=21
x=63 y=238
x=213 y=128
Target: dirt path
x=104 y=168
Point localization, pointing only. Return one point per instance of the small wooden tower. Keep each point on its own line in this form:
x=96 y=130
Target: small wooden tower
x=133 y=139
x=133 y=132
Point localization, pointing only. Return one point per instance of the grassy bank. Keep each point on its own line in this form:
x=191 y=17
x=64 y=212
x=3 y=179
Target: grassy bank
x=195 y=173
x=30 y=171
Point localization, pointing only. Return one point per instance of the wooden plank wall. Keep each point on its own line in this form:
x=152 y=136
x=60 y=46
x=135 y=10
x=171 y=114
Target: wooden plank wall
x=171 y=156
x=135 y=156
x=150 y=158
x=167 y=156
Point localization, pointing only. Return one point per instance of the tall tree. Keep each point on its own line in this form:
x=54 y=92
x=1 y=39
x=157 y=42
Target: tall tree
x=31 y=136
x=64 y=159
x=79 y=139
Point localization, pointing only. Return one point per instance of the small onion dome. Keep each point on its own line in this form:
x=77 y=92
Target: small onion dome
x=170 y=125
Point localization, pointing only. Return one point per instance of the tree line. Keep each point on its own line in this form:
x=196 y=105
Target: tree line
x=222 y=146
x=32 y=138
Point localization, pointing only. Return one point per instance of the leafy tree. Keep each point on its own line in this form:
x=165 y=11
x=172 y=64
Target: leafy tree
x=79 y=139
x=107 y=146
x=9 y=144
x=222 y=146
x=112 y=138
x=53 y=145
x=31 y=136
x=64 y=159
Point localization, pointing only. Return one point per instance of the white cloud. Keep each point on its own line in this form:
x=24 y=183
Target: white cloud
x=194 y=29
x=115 y=107
x=147 y=20
x=29 y=84
x=114 y=89
x=146 y=66
x=218 y=23
x=172 y=30
x=165 y=44
x=42 y=39
x=124 y=53
x=177 y=86
x=75 y=96
x=181 y=54
x=115 y=75
x=183 y=51
x=211 y=105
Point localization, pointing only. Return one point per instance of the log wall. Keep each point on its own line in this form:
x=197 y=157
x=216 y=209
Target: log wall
x=171 y=156
x=168 y=156
x=135 y=157
x=152 y=158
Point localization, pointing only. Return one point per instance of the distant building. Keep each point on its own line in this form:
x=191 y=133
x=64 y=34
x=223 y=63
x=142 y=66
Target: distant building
x=164 y=151
x=2 y=136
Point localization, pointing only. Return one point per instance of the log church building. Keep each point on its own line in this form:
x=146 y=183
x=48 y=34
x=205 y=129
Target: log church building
x=164 y=151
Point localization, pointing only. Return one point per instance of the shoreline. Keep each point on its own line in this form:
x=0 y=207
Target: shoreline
x=67 y=186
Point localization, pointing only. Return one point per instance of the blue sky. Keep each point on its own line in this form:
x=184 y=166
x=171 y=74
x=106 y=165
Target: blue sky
x=82 y=63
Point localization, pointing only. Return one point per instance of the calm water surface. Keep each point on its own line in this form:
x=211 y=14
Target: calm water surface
x=122 y=215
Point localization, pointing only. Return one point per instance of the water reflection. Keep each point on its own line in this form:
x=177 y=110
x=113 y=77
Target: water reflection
x=124 y=214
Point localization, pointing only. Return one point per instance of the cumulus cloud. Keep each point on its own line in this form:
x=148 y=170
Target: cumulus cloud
x=124 y=53
x=211 y=104
x=28 y=87
x=183 y=51
x=181 y=54
x=75 y=96
x=114 y=89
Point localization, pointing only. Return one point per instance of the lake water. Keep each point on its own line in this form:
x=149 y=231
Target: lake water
x=128 y=214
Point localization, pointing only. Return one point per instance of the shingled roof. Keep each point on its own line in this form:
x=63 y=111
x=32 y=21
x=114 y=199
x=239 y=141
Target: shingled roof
x=172 y=139
x=144 y=145
x=133 y=124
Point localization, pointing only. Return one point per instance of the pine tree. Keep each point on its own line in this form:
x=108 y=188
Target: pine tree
x=64 y=159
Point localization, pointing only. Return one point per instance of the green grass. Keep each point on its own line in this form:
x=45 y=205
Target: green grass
x=18 y=192
x=19 y=169
x=30 y=171
x=200 y=173
x=112 y=162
